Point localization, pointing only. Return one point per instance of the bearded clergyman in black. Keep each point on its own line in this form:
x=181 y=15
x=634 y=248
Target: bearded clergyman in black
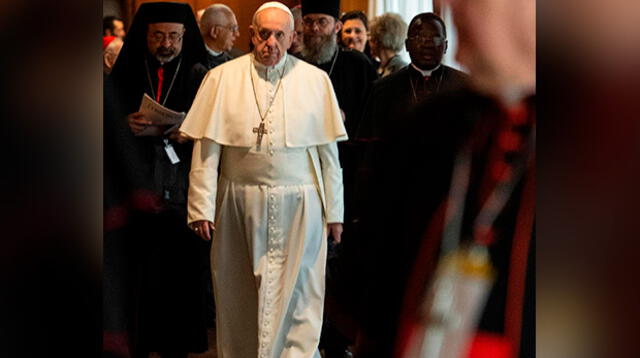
x=154 y=265
x=351 y=74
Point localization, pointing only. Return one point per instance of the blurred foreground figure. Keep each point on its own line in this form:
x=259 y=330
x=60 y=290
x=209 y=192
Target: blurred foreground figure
x=458 y=201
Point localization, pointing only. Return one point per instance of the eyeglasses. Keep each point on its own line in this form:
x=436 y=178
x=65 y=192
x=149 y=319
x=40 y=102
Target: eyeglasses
x=264 y=35
x=232 y=28
x=173 y=37
x=421 y=40
x=321 y=22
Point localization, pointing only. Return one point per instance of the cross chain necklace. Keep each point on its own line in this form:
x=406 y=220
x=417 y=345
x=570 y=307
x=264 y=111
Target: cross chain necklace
x=153 y=92
x=261 y=130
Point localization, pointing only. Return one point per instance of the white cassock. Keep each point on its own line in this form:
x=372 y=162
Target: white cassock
x=271 y=203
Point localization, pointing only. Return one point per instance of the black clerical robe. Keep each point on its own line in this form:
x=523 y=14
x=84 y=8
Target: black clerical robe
x=212 y=61
x=389 y=103
x=351 y=76
x=390 y=100
x=393 y=96
x=403 y=219
x=148 y=246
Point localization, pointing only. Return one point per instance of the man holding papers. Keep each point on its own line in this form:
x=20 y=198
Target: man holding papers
x=148 y=247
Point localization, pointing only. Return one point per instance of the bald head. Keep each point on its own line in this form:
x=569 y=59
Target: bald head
x=217 y=14
x=219 y=27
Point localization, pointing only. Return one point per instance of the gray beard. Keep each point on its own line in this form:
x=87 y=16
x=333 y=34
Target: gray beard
x=320 y=53
x=165 y=59
x=167 y=56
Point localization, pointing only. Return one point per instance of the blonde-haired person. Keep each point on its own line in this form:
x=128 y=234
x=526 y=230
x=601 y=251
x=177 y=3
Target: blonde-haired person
x=386 y=39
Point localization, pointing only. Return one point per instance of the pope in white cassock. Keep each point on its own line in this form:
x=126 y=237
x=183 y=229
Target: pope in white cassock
x=270 y=123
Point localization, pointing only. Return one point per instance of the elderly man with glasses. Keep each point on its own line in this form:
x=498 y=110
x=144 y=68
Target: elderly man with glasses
x=219 y=29
x=269 y=123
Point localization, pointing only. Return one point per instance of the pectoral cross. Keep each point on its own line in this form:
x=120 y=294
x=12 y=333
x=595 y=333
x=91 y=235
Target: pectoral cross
x=260 y=131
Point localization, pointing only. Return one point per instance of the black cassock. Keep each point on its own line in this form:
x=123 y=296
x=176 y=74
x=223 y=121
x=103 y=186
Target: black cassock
x=390 y=100
x=351 y=77
x=154 y=266
x=389 y=103
x=351 y=74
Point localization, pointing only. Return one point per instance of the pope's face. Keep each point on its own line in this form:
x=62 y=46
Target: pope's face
x=164 y=40
x=271 y=35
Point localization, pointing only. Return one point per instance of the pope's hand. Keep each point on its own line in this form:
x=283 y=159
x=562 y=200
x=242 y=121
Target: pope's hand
x=203 y=228
x=177 y=136
x=137 y=122
x=335 y=230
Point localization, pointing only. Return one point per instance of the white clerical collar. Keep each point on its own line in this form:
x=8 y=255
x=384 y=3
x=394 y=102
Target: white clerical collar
x=424 y=73
x=277 y=66
x=212 y=52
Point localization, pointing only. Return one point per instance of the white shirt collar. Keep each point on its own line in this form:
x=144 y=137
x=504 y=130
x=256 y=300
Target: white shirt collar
x=212 y=52
x=277 y=66
x=424 y=73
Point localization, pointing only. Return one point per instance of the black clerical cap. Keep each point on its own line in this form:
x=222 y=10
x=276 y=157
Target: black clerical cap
x=135 y=44
x=327 y=7
x=154 y=12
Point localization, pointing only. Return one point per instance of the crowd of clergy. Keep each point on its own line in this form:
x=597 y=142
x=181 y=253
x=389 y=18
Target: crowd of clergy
x=321 y=195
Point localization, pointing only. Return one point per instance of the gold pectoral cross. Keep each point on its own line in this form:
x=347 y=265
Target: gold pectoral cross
x=260 y=131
